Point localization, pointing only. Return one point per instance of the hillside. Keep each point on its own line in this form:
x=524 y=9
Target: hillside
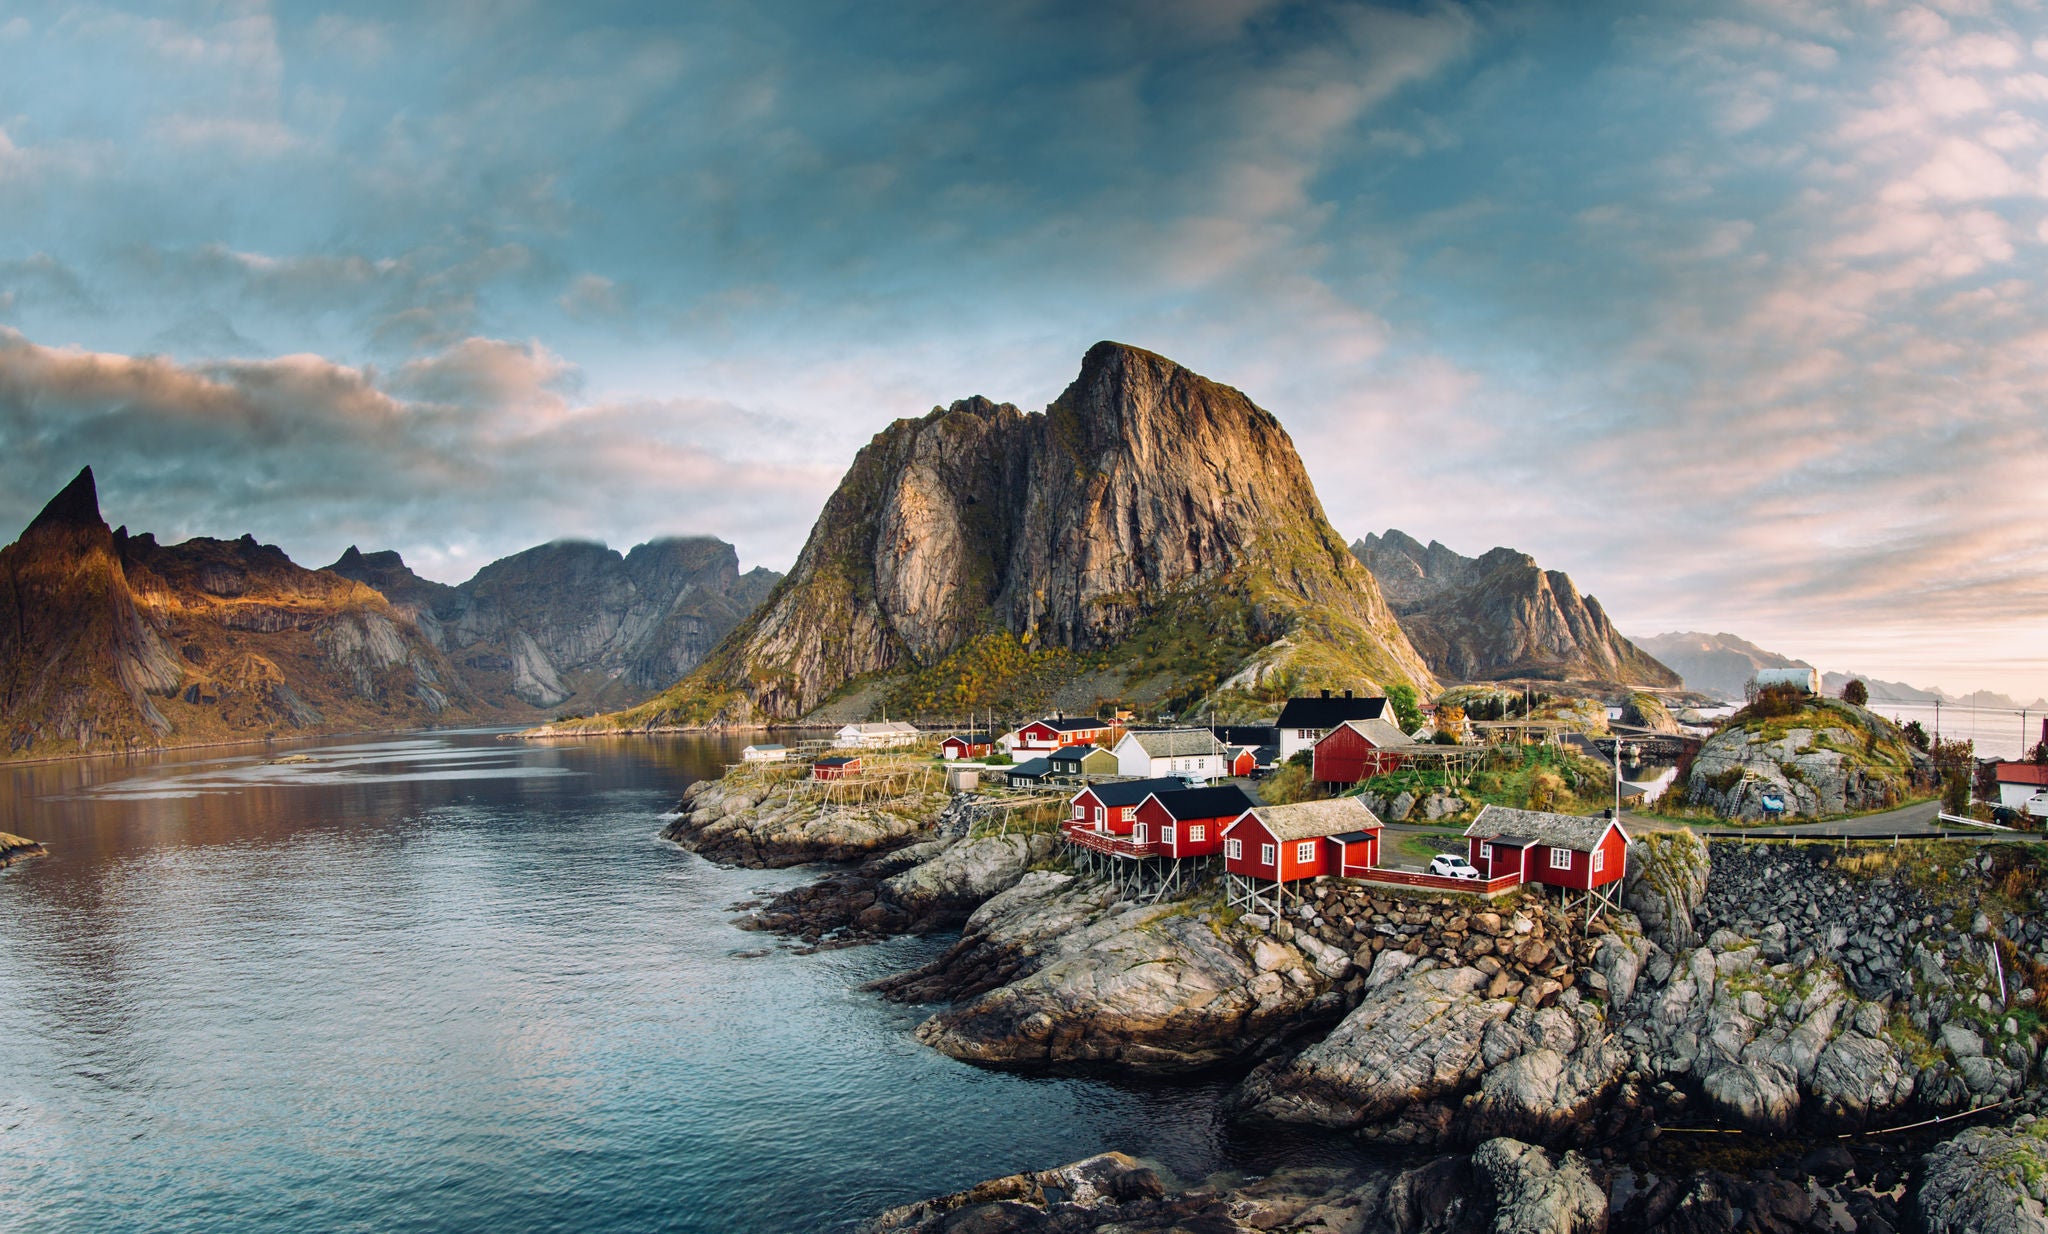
x=1148 y=537
x=1716 y=664
x=573 y=622
x=113 y=642
x=1499 y=616
x=1821 y=757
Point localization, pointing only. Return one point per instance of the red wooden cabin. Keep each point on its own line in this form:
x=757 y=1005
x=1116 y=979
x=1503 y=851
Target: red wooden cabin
x=1561 y=850
x=1277 y=845
x=1051 y=734
x=1112 y=807
x=957 y=746
x=1189 y=822
x=1355 y=852
x=1243 y=761
x=836 y=768
x=1359 y=750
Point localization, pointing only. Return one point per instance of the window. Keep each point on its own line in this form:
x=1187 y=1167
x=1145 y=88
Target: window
x=1305 y=851
x=1486 y=852
x=1599 y=860
x=1233 y=849
x=1128 y=811
x=1560 y=859
x=1195 y=833
x=1267 y=856
x=1166 y=833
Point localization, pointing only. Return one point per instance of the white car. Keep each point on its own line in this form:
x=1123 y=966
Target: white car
x=1450 y=865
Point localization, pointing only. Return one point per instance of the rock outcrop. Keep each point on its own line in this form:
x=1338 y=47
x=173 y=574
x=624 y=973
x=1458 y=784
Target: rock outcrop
x=1499 y=616
x=1828 y=757
x=1145 y=508
x=15 y=848
x=1987 y=1181
x=1716 y=664
x=114 y=642
x=769 y=827
x=573 y=622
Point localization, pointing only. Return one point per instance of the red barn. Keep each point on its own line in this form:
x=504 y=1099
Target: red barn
x=1359 y=750
x=1189 y=822
x=837 y=768
x=957 y=746
x=1278 y=845
x=1562 y=850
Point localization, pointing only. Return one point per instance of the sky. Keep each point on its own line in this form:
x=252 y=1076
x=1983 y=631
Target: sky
x=1734 y=311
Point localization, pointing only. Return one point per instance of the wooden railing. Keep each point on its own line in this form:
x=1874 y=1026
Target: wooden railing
x=1106 y=842
x=1439 y=882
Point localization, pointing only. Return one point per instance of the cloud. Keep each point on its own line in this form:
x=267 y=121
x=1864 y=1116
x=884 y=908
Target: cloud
x=455 y=459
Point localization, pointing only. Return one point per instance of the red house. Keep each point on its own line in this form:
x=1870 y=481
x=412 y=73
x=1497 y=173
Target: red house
x=1112 y=807
x=1562 y=850
x=1189 y=822
x=1272 y=846
x=1359 y=750
x=1051 y=734
x=957 y=746
x=836 y=768
x=1242 y=760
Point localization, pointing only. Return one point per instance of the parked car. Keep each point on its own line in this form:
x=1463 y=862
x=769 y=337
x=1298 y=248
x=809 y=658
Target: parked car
x=1450 y=865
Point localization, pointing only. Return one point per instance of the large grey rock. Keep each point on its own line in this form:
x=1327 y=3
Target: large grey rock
x=1761 y=1096
x=1537 y=1193
x=1858 y=1081
x=957 y=879
x=1667 y=879
x=1986 y=1181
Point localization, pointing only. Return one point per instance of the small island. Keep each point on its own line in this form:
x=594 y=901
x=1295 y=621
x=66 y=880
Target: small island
x=15 y=848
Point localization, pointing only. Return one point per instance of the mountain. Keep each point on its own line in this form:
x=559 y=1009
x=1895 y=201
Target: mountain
x=1151 y=536
x=1500 y=616
x=573 y=620
x=1717 y=664
x=1897 y=691
x=114 y=642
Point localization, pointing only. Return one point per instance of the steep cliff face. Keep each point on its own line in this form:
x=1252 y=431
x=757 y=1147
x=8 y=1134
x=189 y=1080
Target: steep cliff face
x=1717 y=664
x=573 y=621
x=1147 y=505
x=112 y=642
x=1499 y=616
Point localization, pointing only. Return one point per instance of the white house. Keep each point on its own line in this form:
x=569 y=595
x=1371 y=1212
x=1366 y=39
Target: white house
x=1190 y=752
x=765 y=754
x=876 y=735
x=2018 y=782
x=1305 y=721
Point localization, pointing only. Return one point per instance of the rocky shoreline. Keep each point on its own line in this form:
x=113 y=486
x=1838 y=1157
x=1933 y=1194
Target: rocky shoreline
x=1768 y=993
x=15 y=848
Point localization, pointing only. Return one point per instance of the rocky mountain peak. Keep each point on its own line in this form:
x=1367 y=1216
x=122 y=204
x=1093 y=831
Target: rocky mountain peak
x=78 y=505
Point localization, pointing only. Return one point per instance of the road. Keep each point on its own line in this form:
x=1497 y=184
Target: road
x=1918 y=817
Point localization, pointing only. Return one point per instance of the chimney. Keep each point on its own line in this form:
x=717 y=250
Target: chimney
x=1326 y=694
x=1347 y=694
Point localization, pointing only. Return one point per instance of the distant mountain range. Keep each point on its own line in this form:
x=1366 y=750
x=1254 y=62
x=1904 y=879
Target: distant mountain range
x=111 y=641
x=1500 y=616
x=1722 y=664
x=574 y=620
x=1150 y=537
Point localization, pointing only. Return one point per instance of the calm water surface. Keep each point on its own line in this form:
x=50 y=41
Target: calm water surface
x=451 y=982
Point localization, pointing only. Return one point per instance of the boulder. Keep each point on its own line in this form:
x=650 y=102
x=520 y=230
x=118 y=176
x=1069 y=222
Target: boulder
x=959 y=877
x=1759 y=1096
x=1667 y=880
x=1536 y=1193
x=1859 y=1081
x=1988 y=1180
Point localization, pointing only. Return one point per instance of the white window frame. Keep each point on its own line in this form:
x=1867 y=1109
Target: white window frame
x=1599 y=861
x=1165 y=833
x=1197 y=832
x=1485 y=851
x=1305 y=852
x=1269 y=855
x=1556 y=864
x=1098 y=816
x=1234 y=849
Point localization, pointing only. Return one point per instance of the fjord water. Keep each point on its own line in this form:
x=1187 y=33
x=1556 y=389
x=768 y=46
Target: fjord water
x=453 y=982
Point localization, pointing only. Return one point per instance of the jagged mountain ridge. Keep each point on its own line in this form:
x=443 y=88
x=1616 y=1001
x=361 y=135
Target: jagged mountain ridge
x=573 y=619
x=1144 y=498
x=1500 y=616
x=114 y=642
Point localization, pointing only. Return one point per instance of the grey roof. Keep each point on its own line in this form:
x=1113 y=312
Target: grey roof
x=1035 y=769
x=1070 y=724
x=1178 y=742
x=1383 y=734
x=1571 y=831
x=1309 y=820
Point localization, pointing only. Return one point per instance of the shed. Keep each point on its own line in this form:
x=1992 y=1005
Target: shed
x=765 y=754
x=965 y=745
x=1029 y=774
x=1562 y=850
x=839 y=767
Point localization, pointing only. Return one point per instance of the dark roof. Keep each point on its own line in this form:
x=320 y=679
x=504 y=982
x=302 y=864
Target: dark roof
x=1266 y=755
x=1030 y=771
x=1353 y=837
x=1076 y=752
x=1329 y=712
x=1246 y=734
x=1224 y=801
x=1131 y=792
x=1070 y=724
x=835 y=762
x=1510 y=841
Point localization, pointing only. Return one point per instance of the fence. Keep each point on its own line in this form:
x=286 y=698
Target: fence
x=1439 y=882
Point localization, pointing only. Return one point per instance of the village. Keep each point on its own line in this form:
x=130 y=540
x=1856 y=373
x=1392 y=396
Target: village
x=1155 y=812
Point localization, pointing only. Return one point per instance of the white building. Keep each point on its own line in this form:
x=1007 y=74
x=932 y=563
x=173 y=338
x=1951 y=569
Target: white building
x=876 y=735
x=765 y=754
x=1193 y=753
x=2019 y=782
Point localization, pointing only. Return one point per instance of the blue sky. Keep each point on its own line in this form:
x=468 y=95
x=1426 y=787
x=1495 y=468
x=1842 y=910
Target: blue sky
x=1736 y=312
